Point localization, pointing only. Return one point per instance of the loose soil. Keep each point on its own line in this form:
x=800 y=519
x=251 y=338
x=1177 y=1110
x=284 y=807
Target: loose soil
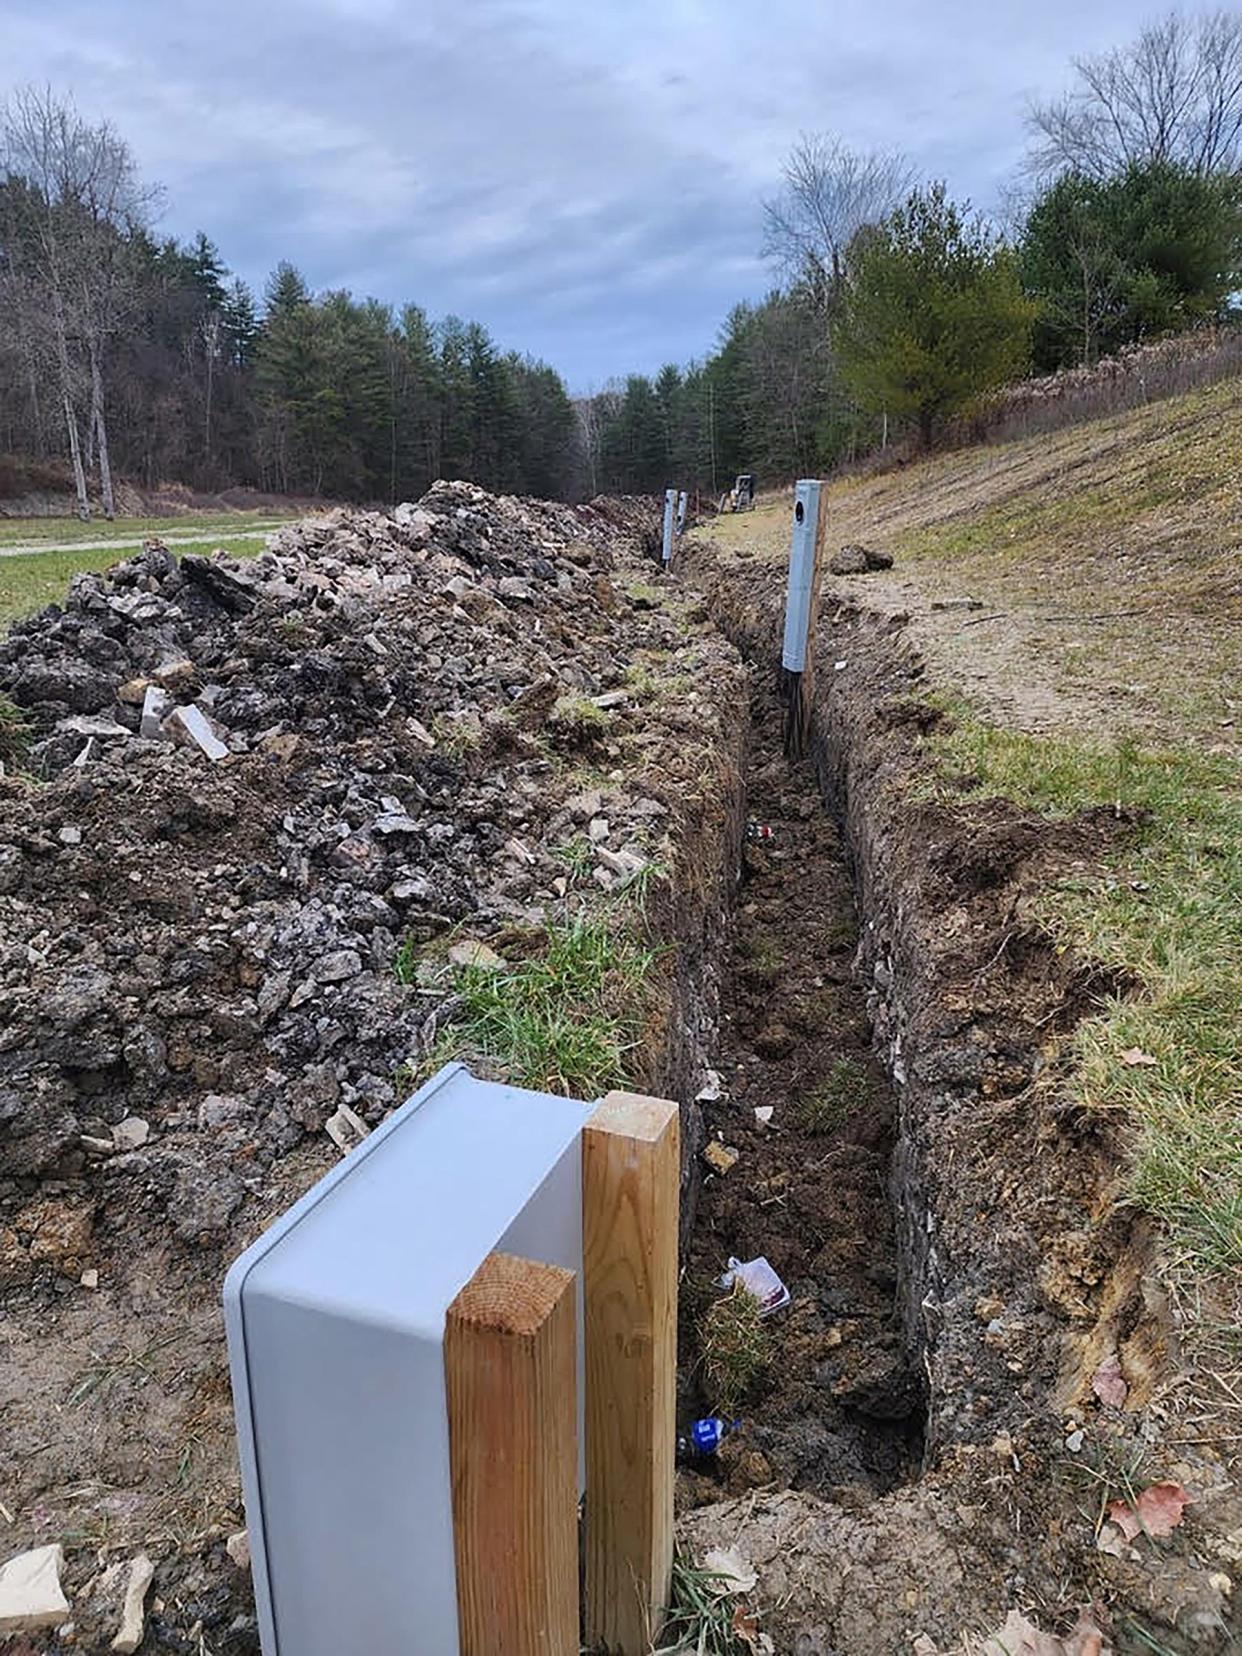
x=838 y=1409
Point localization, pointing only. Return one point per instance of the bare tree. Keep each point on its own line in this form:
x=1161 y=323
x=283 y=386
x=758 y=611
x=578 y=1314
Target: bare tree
x=1174 y=94
x=82 y=202
x=829 y=192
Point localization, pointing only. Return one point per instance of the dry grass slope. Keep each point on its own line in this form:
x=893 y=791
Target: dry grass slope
x=1104 y=667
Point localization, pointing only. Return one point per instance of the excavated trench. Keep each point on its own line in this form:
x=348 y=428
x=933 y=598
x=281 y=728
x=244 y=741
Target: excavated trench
x=836 y=1404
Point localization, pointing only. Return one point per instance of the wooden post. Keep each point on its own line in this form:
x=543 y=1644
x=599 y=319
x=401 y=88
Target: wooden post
x=510 y=1361
x=631 y=1170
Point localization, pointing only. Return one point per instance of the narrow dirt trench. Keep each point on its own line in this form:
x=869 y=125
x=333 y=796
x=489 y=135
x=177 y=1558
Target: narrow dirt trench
x=836 y=1407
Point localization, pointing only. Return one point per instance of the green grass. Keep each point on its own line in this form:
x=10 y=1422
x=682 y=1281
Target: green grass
x=14 y=733
x=31 y=581
x=577 y=717
x=700 y=1618
x=60 y=530
x=1167 y=911
x=834 y=1100
x=734 y=1349
x=578 y=855
x=563 y=1020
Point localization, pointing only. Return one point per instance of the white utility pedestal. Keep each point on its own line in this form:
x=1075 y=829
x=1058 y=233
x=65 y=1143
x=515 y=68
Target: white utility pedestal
x=335 y=1322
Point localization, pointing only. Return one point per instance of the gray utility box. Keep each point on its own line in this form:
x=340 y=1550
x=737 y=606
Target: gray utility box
x=335 y=1322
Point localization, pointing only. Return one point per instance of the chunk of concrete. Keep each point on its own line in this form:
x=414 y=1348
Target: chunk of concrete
x=345 y=1128
x=191 y=727
x=133 y=1612
x=30 y=1592
x=155 y=707
x=91 y=724
x=171 y=675
x=471 y=952
x=131 y=1133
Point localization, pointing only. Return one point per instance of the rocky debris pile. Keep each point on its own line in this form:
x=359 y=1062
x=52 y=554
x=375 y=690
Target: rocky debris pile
x=268 y=777
x=858 y=560
x=264 y=787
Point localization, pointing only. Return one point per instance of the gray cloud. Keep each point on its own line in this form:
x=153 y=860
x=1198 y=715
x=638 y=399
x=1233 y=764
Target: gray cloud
x=586 y=181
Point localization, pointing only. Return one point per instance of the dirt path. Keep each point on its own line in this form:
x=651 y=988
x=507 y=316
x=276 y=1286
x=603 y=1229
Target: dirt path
x=134 y=545
x=836 y=1410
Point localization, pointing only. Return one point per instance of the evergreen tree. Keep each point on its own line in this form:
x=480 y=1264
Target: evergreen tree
x=934 y=316
x=240 y=321
x=1111 y=261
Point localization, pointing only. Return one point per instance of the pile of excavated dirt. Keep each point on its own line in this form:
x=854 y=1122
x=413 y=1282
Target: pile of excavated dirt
x=265 y=786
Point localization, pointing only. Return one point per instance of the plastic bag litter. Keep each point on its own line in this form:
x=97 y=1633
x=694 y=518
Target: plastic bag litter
x=760 y=1281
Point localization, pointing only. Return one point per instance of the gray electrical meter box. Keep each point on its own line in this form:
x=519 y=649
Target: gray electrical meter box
x=335 y=1321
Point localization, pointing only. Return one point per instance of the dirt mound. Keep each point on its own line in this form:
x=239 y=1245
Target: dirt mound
x=457 y=720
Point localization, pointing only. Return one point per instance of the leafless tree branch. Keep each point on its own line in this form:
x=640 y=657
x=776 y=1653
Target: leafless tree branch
x=1174 y=94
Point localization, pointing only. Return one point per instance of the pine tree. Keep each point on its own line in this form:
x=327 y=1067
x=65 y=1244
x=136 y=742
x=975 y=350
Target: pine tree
x=934 y=316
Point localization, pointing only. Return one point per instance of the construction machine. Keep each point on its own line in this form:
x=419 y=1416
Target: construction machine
x=741 y=497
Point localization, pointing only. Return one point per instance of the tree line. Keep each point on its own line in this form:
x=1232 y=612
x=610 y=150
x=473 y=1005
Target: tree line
x=898 y=311
x=895 y=312
x=141 y=357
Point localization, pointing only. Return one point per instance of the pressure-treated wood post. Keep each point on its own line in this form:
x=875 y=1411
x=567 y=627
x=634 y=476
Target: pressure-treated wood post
x=510 y=1361
x=631 y=1169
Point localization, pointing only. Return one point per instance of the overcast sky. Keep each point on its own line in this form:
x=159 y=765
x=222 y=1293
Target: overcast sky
x=583 y=176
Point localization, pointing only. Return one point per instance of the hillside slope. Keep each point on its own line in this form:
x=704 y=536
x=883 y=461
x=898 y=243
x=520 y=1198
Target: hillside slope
x=1107 y=559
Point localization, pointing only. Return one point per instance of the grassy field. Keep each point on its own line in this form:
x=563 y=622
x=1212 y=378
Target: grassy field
x=62 y=531
x=1104 y=667
x=30 y=581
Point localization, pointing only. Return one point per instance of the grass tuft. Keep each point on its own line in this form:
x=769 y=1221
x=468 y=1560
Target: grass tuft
x=734 y=1349
x=563 y=1020
x=15 y=733
x=834 y=1100
x=700 y=1618
x=578 y=718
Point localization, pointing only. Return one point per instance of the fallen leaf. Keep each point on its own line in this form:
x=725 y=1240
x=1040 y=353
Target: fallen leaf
x=1107 y=1383
x=733 y=1574
x=1020 y=1637
x=1110 y=1540
x=1158 y=1511
x=1136 y=1055
x=746 y=1628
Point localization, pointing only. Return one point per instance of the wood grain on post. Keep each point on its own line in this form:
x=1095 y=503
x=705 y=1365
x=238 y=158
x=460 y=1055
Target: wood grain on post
x=631 y=1170
x=510 y=1361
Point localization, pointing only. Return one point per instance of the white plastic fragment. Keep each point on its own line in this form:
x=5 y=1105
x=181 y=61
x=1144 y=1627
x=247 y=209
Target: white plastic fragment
x=30 y=1592
x=133 y=1615
x=760 y=1281
x=711 y=1089
x=763 y=1114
